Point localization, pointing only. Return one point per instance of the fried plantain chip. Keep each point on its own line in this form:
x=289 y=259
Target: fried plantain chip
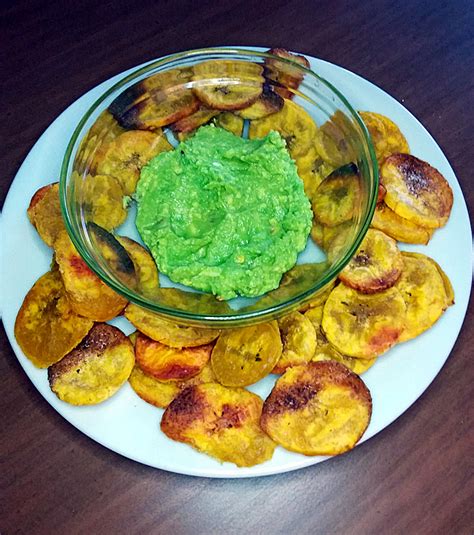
x=386 y=136
x=448 y=287
x=423 y=289
x=313 y=173
x=337 y=198
x=88 y=295
x=124 y=157
x=161 y=394
x=318 y=299
x=318 y=409
x=298 y=339
x=95 y=369
x=282 y=74
x=44 y=213
x=168 y=332
x=198 y=303
x=267 y=103
x=326 y=351
x=416 y=191
x=230 y=122
x=363 y=326
x=376 y=266
x=145 y=267
x=244 y=356
x=190 y=123
x=170 y=363
x=103 y=201
x=399 y=228
x=46 y=327
x=221 y=422
x=227 y=84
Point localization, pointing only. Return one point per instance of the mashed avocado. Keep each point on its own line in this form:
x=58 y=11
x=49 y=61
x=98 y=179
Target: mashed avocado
x=224 y=214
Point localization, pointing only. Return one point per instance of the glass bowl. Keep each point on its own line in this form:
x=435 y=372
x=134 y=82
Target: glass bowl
x=246 y=92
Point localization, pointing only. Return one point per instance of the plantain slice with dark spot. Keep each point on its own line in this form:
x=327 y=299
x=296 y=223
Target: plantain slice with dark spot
x=44 y=213
x=102 y=201
x=46 y=326
x=321 y=408
x=283 y=75
x=376 y=266
x=267 y=103
x=95 y=369
x=227 y=84
x=221 y=422
x=416 y=191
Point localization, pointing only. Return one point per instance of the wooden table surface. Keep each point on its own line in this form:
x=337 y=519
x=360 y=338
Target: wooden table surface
x=416 y=475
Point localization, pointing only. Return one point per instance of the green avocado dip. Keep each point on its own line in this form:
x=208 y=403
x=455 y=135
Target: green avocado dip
x=224 y=214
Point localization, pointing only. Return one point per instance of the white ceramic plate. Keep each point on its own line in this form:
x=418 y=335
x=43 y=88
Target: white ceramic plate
x=128 y=425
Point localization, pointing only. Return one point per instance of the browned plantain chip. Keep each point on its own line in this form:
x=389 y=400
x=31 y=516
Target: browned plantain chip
x=168 y=332
x=416 y=191
x=267 y=103
x=170 y=363
x=102 y=201
x=282 y=74
x=88 y=295
x=46 y=327
x=95 y=369
x=318 y=409
x=190 y=123
x=376 y=266
x=363 y=326
x=222 y=422
x=44 y=213
x=230 y=122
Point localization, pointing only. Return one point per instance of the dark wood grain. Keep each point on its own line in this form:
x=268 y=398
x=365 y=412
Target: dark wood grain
x=416 y=475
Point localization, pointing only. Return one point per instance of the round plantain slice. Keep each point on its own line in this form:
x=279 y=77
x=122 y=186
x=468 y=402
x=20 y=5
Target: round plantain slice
x=399 y=228
x=227 y=85
x=95 y=369
x=326 y=351
x=337 y=198
x=124 y=157
x=244 y=356
x=298 y=338
x=282 y=74
x=318 y=409
x=416 y=191
x=145 y=267
x=161 y=394
x=423 y=289
x=44 y=213
x=167 y=332
x=448 y=287
x=386 y=136
x=46 y=327
x=363 y=326
x=267 y=103
x=103 y=201
x=376 y=266
x=230 y=122
x=221 y=422
x=170 y=363
x=88 y=295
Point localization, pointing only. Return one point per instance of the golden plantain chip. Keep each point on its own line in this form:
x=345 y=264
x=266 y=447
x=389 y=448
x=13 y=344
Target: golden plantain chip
x=88 y=295
x=282 y=74
x=448 y=287
x=298 y=338
x=423 y=289
x=386 y=136
x=244 y=356
x=170 y=363
x=46 y=327
x=230 y=122
x=363 y=326
x=103 y=201
x=336 y=139
x=321 y=408
x=95 y=369
x=416 y=191
x=145 y=267
x=267 y=103
x=198 y=303
x=313 y=173
x=124 y=157
x=44 y=213
x=337 y=198
x=399 y=228
x=227 y=84
x=326 y=351
x=168 y=332
x=161 y=394
x=376 y=266
x=190 y=123
x=221 y=422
